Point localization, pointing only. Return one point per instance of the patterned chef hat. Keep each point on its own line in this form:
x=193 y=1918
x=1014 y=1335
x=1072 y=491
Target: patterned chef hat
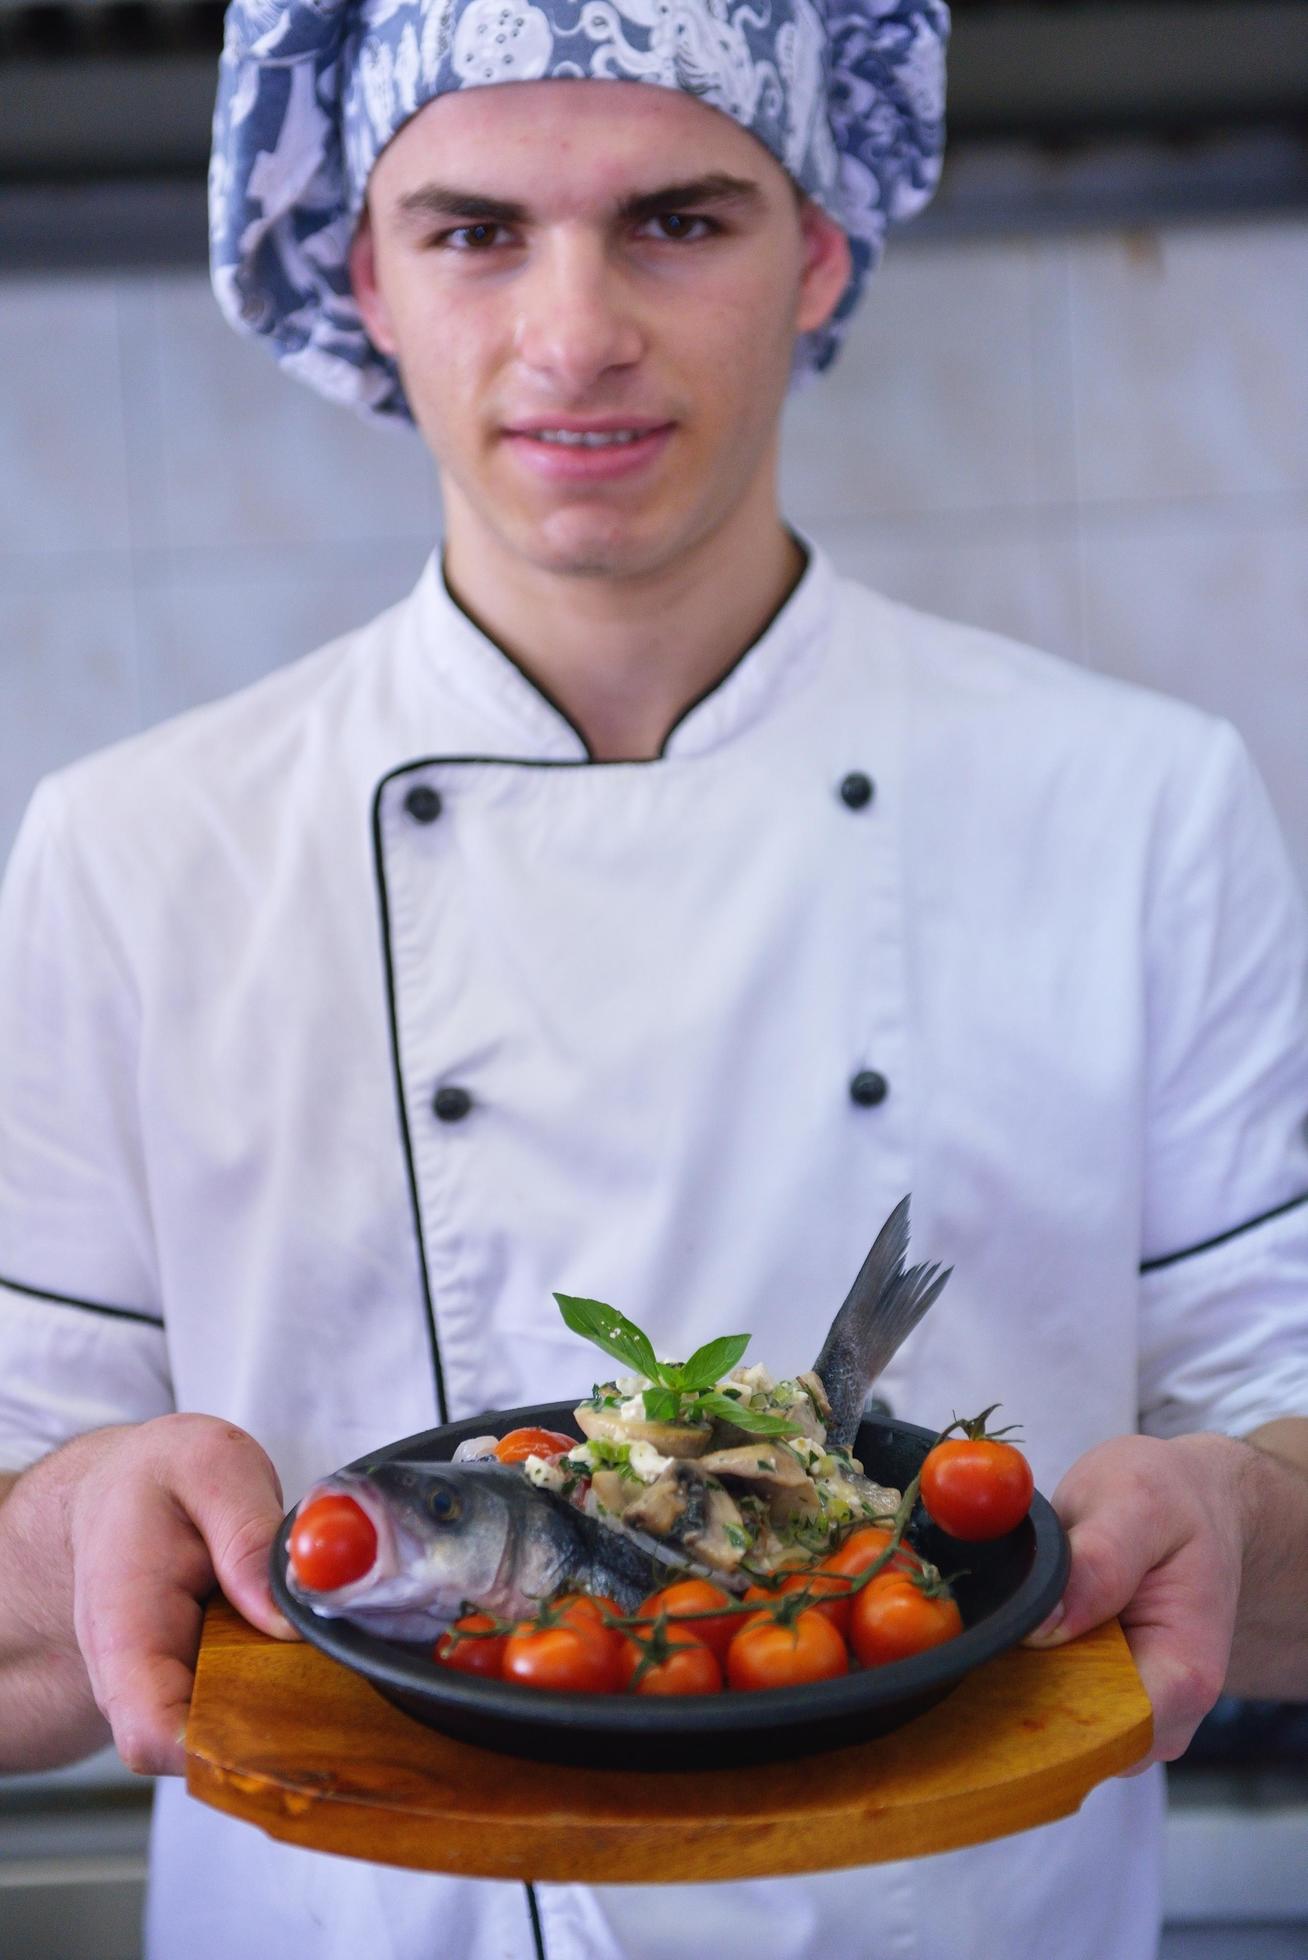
x=848 y=95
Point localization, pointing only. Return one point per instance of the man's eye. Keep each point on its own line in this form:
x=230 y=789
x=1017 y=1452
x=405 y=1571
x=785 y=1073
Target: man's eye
x=472 y=238
x=680 y=225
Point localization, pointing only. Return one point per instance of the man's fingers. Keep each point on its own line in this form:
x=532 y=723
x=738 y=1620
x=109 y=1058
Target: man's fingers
x=231 y=1493
x=201 y=1504
x=1106 y=1570
x=1154 y=1541
x=240 y=1548
x=139 y=1633
x=146 y=1706
x=1119 y=1527
x=1181 y=1667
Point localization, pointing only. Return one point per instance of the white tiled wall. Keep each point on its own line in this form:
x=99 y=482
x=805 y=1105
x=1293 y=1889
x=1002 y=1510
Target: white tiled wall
x=1096 y=444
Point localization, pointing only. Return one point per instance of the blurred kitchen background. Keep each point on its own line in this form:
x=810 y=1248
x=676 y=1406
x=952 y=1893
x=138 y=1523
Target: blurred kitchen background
x=1075 y=410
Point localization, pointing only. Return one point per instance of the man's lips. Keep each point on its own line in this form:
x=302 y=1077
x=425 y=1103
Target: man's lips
x=595 y=449
x=585 y=425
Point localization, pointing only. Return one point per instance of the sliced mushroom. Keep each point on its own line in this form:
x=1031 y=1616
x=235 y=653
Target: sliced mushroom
x=720 y=1540
x=758 y=1462
x=680 y=1439
x=772 y=1470
x=695 y=1512
x=661 y=1507
x=614 y=1491
x=802 y=1500
x=811 y=1382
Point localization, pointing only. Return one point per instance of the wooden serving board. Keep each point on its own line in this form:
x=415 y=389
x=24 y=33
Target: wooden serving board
x=289 y=1740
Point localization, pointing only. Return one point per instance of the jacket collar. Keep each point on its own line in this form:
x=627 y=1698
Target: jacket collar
x=507 y=713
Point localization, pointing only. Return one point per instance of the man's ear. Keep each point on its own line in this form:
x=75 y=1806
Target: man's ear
x=367 y=291
x=826 y=266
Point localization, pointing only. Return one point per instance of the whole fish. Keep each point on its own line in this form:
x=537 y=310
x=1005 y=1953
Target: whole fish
x=451 y=1533
x=480 y=1532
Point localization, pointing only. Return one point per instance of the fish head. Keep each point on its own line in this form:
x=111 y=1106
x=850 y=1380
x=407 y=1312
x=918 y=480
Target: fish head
x=444 y=1535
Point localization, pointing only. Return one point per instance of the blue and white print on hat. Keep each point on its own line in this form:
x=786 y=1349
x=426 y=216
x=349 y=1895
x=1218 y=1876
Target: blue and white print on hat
x=847 y=95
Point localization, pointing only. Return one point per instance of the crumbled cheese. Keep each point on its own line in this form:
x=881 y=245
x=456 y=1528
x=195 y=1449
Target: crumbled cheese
x=546 y=1472
x=755 y=1378
x=632 y=1410
x=647 y=1463
x=630 y=1384
x=811 y=1454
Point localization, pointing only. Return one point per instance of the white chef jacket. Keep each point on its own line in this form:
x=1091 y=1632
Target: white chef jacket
x=240 y=954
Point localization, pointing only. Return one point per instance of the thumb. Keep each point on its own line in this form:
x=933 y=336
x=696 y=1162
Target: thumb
x=241 y=1562
x=1105 y=1573
x=235 y=1502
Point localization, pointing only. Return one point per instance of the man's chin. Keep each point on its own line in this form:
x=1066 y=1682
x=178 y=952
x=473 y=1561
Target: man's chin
x=584 y=551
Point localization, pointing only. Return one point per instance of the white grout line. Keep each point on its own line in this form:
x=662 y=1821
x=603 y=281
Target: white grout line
x=35 y=1874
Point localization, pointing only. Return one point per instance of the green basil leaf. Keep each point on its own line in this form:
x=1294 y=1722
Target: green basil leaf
x=661 y=1404
x=611 y=1332
x=711 y=1362
x=755 y=1421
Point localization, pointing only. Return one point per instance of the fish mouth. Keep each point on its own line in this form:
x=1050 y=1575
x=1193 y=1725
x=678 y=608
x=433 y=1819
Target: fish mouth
x=386 y=1560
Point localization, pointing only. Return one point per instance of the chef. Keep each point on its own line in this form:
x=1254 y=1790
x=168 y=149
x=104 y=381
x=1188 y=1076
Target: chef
x=637 y=909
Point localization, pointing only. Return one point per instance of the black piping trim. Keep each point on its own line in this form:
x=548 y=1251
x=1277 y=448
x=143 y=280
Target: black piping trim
x=536 y=1932
x=87 y=1306
x=384 y=910
x=1191 y=1251
x=689 y=709
x=514 y=662
x=745 y=651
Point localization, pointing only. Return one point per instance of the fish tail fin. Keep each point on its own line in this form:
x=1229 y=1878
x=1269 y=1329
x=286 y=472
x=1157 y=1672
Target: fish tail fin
x=883 y=1306
x=908 y=1301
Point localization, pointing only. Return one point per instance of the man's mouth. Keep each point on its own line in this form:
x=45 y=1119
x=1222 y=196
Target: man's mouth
x=574 y=451
x=586 y=438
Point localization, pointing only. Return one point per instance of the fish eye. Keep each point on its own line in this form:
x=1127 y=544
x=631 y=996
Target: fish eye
x=443 y=1504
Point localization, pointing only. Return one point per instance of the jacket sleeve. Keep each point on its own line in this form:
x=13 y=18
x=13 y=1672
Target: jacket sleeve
x=82 y=1339
x=1224 y=1276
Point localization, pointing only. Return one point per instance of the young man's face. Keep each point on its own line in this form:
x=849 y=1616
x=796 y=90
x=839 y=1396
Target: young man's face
x=555 y=260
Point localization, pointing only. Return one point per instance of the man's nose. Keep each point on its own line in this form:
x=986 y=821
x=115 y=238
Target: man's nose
x=577 y=318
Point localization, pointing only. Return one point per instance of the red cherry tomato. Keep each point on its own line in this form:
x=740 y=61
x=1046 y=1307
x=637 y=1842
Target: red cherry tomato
x=835 y=1607
x=688 y=1666
x=976 y=1487
x=570 y=1650
x=482 y=1655
x=697 y=1596
x=519 y=1444
x=767 y=1655
x=863 y=1548
x=896 y=1615
x=333 y=1542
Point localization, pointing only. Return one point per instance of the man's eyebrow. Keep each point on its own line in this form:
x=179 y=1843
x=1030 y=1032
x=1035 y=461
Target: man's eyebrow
x=474 y=207
x=715 y=188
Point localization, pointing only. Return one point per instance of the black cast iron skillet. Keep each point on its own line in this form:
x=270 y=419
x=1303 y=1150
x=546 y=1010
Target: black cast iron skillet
x=1004 y=1589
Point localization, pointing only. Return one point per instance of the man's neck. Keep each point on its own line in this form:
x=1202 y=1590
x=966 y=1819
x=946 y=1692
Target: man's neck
x=624 y=658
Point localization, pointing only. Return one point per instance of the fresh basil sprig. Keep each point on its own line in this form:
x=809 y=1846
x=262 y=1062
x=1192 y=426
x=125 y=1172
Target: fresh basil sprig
x=708 y=1364
x=611 y=1332
x=756 y=1421
x=696 y=1379
x=661 y=1404
x=621 y=1339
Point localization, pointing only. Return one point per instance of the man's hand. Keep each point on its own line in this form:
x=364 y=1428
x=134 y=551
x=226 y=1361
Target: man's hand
x=1192 y=1543
x=110 y=1547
